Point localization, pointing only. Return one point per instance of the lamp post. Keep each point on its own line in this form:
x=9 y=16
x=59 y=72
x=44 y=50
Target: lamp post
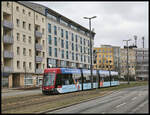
x=110 y=71
x=127 y=58
x=90 y=48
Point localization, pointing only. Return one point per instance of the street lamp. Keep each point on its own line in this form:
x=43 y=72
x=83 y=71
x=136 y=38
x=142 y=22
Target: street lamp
x=90 y=48
x=127 y=58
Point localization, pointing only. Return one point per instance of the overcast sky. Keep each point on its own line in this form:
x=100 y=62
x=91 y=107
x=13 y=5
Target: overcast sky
x=115 y=22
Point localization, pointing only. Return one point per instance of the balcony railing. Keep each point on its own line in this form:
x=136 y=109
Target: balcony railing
x=38 y=47
x=39 y=59
x=8 y=69
x=8 y=54
x=38 y=71
x=38 y=34
x=8 y=39
x=8 y=24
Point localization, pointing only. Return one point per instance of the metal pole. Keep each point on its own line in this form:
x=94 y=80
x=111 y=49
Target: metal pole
x=91 y=54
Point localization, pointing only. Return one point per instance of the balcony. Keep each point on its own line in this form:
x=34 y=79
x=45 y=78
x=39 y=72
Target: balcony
x=8 y=24
x=8 y=69
x=38 y=47
x=38 y=34
x=8 y=54
x=8 y=39
x=39 y=59
x=38 y=71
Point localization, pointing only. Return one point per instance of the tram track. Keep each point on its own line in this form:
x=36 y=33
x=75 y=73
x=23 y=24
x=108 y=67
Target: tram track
x=10 y=104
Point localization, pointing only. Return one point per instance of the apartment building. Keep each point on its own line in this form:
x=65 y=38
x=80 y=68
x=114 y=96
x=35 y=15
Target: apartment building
x=33 y=37
x=104 y=58
x=131 y=62
x=142 y=64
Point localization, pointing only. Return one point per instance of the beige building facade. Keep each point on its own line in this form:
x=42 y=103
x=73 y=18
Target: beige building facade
x=34 y=36
x=131 y=62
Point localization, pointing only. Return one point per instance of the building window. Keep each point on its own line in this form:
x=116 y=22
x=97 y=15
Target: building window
x=55 y=52
x=18 y=22
x=43 y=42
x=76 y=47
x=88 y=59
x=30 y=53
x=88 y=43
x=81 y=49
x=7 y=4
x=49 y=28
x=76 y=38
x=76 y=57
x=29 y=13
x=67 y=56
x=62 y=33
x=42 y=19
x=17 y=8
x=62 y=43
x=50 y=51
x=43 y=31
x=18 y=51
x=49 y=39
x=55 y=30
x=24 y=65
x=84 y=42
x=80 y=40
x=72 y=56
x=72 y=46
x=72 y=37
x=18 y=37
x=18 y=64
x=36 y=17
x=30 y=65
x=23 y=11
x=43 y=54
x=24 y=25
x=66 y=34
x=29 y=26
x=81 y=58
x=28 y=80
x=55 y=41
x=84 y=50
x=24 y=51
x=30 y=39
x=66 y=44
x=24 y=38
x=84 y=58
x=62 y=54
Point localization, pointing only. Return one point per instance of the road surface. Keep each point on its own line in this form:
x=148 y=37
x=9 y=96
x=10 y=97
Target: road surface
x=129 y=100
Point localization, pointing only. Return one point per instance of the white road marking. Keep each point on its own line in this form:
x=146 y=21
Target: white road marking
x=134 y=98
x=120 y=105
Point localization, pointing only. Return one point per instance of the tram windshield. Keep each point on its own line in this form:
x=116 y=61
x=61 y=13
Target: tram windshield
x=48 y=79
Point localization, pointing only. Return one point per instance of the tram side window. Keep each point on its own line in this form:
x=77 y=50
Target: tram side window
x=86 y=78
x=107 y=78
x=95 y=79
x=76 y=78
x=115 y=77
x=67 y=79
x=58 y=80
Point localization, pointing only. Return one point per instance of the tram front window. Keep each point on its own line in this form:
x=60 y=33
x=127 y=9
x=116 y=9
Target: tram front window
x=48 y=79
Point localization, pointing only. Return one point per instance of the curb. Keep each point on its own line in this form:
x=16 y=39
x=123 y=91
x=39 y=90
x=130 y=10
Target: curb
x=49 y=110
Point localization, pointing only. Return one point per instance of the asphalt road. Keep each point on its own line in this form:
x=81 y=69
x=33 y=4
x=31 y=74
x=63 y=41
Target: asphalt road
x=129 y=100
